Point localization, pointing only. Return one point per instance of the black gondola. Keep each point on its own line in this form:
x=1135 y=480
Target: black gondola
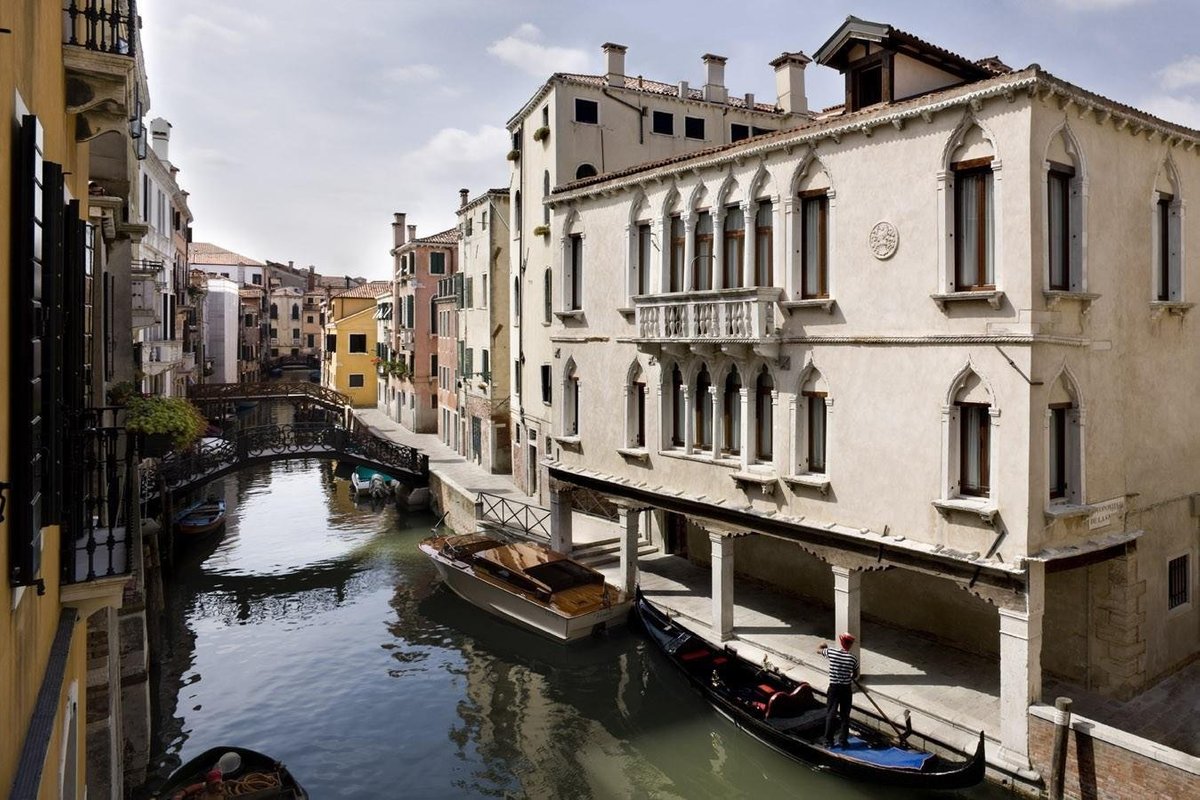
x=255 y=777
x=790 y=716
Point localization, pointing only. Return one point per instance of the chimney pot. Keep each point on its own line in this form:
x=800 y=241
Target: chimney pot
x=789 y=82
x=412 y=233
x=614 y=59
x=683 y=90
x=397 y=229
x=750 y=100
x=463 y=194
x=714 y=82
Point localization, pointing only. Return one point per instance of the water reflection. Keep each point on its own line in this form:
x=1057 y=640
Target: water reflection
x=315 y=630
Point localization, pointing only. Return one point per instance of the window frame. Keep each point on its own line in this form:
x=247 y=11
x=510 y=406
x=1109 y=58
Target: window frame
x=703 y=411
x=693 y=126
x=583 y=103
x=985 y=221
x=361 y=380
x=820 y=197
x=764 y=244
x=677 y=276
x=644 y=245
x=733 y=247
x=668 y=117
x=1179 y=589
x=350 y=342
x=1059 y=180
x=442 y=258
x=816 y=463
x=698 y=256
x=983 y=429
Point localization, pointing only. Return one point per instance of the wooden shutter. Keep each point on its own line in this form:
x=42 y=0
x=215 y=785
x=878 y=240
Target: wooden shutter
x=27 y=463
x=53 y=416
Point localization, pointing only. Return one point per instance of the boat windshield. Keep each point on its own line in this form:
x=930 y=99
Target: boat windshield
x=559 y=575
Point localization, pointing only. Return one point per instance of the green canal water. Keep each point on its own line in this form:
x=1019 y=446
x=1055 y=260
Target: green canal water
x=315 y=631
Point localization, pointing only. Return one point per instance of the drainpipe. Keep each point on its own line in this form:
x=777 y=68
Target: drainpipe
x=641 y=112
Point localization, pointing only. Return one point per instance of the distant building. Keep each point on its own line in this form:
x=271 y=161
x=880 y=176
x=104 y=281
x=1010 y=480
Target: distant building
x=350 y=343
x=250 y=343
x=221 y=305
x=215 y=260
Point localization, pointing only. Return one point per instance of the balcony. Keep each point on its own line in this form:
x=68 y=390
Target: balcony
x=161 y=355
x=406 y=338
x=143 y=315
x=100 y=41
x=735 y=321
x=187 y=364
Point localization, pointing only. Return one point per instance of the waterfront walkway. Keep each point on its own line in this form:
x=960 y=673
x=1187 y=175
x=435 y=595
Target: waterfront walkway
x=949 y=692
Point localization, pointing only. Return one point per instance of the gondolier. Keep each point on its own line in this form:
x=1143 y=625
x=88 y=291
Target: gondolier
x=843 y=669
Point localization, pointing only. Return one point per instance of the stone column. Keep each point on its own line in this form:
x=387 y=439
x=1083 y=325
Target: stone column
x=750 y=243
x=722 y=585
x=1021 y=666
x=560 y=522
x=689 y=252
x=717 y=421
x=689 y=418
x=847 y=604
x=628 y=520
x=718 y=260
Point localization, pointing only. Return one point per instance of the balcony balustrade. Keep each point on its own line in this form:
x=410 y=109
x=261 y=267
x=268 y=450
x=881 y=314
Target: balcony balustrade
x=104 y=482
x=733 y=320
x=161 y=355
x=406 y=337
x=100 y=39
x=143 y=315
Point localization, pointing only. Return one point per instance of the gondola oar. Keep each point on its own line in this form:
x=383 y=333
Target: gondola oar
x=903 y=734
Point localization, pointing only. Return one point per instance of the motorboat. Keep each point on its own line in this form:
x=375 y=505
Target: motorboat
x=201 y=518
x=243 y=773
x=789 y=715
x=528 y=584
x=369 y=482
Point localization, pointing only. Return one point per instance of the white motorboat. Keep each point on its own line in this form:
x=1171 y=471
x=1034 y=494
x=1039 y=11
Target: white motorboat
x=531 y=585
x=366 y=482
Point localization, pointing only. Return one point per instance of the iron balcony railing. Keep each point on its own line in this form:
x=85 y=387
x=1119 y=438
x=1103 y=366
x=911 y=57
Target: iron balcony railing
x=513 y=515
x=722 y=315
x=95 y=540
x=105 y=26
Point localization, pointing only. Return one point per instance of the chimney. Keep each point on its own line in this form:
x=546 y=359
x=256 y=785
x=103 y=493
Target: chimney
x=463 y=194
x=160 y=137
x=291 y=265
x=397 y=229
x=412 y=233
x=614 y=59
x=789 y=82
x=750 y=100
x=714 y=81
x=683 y=90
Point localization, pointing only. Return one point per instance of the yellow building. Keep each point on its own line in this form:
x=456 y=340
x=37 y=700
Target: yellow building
x=66 y=99
x=350 y=334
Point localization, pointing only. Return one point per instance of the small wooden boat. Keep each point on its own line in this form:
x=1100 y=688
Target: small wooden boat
x=531 y=585
x=790 y=716
x=245 y=773
x=201 y=518
x=365 y=481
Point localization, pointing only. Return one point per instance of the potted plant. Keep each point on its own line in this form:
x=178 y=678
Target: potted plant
x=541 y=134
x=541 y=230
x=165 y=423
x=121 y=393
x=513 y=154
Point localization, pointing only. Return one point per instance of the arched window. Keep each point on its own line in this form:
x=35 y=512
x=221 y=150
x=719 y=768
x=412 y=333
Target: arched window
x=570 y=401
x=1064 y=445
x=1168 y=241
x=547 y=297
x=1065 y=214
x=764 y=243
x=764 y=401
x=516 y=301
x=678 y=251
x=635 y=409
x=585 y=171
x=678 y=408
x=702 y=405
x=274 y=311
x=970 y=207
x=295 y=311
x=703 y=245
x=969 y=448
x=812 y=424
x=734 y=242
x=731 y=411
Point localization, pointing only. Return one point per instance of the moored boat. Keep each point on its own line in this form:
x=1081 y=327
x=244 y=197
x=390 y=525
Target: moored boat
x=364 y=481
x=201 y=518
x=243 y=773
x=531 y=585
x=789 y=715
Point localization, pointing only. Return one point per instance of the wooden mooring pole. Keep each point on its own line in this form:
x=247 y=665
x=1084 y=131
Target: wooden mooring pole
x=1058 y=764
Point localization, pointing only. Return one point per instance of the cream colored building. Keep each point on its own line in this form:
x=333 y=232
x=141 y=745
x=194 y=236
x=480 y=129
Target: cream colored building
x=927 y=357
x=576 y=126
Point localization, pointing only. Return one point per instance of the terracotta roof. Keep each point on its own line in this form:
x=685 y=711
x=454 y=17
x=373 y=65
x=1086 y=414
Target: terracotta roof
x=366 y=290
x=445 y=237
x=640 y=84
x=208 y=253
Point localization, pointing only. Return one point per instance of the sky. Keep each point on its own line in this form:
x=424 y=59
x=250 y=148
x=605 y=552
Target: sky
x=300 y=126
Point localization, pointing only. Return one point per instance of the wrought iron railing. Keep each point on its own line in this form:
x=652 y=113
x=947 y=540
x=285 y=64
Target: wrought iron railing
x=106 y=26
x=229 y=392
x=531 y=520
x=103 y=467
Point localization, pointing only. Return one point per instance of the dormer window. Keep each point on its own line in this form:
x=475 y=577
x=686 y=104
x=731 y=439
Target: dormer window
x=869 y=78
x=868 y=86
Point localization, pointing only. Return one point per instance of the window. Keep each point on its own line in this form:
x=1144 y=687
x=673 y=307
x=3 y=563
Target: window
x=310 y=319
x=248 y=321
x=702 y=405
x=485 y=371
x=737 y=132
x=764 y=427
x=703 y=246
x=815 y=251
x=356 y=381
x=867 y=83
x=545 y=194
x=256 y=280
x=574 y=279
x=1178 y=583
x=433 y=366
x=358 y=343
x=664 y=123
x=815 y=409
x=273 y=333
x=641 y=282
x=1167 y=281
x=469 y=285
x=1059 y=229
x=734 y=242
x=571 y=402
x=1064 y=445
x=678 y=410
x=547 y=296
x=435 y=317
x=732 y=413
x=546 y=384
x=518 y=384
x=469 y=365
x=295 y=312
x=764 y=242
x=483 y=220
x=635 y=410
x=1058 y=451
x=311 y=340
x=587 y=111
x=437 y=263
x=585 y=171
x=973 y=231
x=693 y=127
x=516 y=301
x=545 y=116
x=295 y=333
x=483 y=299
x=678 y=251
x=331 y=343
x=274 y=311
x=974 y=428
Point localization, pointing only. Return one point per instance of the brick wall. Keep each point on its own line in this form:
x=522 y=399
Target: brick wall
x=1100 y=770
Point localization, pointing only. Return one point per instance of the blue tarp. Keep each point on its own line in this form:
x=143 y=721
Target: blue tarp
x=893 y=757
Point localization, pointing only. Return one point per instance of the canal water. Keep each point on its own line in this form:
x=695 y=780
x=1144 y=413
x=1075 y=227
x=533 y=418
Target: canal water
x=315 y=631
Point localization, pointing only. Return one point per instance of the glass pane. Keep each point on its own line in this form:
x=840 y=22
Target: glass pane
x=1057 y=418
x=735 y=219
x=989 y=244
x=765 y=424
x=816 y=434
x=764 y=217
x=812 y=248
x=702 y=266
x=966 y=231
x=1056 y=211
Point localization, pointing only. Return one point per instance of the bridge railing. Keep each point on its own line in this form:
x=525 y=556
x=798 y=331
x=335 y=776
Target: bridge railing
x=232 y=392
x=533 y=521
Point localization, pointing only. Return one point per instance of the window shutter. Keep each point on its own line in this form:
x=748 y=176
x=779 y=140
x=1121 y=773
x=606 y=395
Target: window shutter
x=26 y=465
x=53 y=419
x=470 y=371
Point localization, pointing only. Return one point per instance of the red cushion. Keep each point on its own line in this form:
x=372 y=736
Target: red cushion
x=720 y=660
x=767 y=689
x=692 y=655
x=759 y=706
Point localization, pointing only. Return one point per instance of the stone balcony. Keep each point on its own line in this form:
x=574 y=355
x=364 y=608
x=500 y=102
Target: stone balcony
x=100 y=41
x=143 y=314
x=161 y=355
x=406 y=338
x=734 y=321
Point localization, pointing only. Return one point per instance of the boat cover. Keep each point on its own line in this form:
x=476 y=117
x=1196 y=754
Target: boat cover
x=893 y=757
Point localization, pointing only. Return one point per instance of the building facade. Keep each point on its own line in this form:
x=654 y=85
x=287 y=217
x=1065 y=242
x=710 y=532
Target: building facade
x=484 y=390
x=350 y=343
x=578 y=126
x=449 y=364
x=923 y=343
x=222 y=330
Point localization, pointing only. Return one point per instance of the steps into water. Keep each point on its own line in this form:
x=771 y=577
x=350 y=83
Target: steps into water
x=602 y=552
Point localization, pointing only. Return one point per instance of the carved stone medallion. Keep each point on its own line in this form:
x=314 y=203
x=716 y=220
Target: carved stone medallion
x=883 y=240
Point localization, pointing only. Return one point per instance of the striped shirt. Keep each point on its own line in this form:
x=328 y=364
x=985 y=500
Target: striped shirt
x=843 y=665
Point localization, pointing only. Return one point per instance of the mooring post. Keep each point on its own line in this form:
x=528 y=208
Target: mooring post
x=1058 y=765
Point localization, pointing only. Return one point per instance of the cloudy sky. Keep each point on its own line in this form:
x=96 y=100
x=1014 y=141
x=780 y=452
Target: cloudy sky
x=300 y=126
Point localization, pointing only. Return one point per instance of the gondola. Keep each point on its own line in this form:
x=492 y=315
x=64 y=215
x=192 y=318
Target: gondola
x=790 y=717
x=245 y=773
x=200 y=519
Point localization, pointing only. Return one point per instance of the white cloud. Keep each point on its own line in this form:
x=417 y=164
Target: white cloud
x=454 y=146
x=1180 y=110
x=1185 y=72
x=523 y=49
x=413 y=73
